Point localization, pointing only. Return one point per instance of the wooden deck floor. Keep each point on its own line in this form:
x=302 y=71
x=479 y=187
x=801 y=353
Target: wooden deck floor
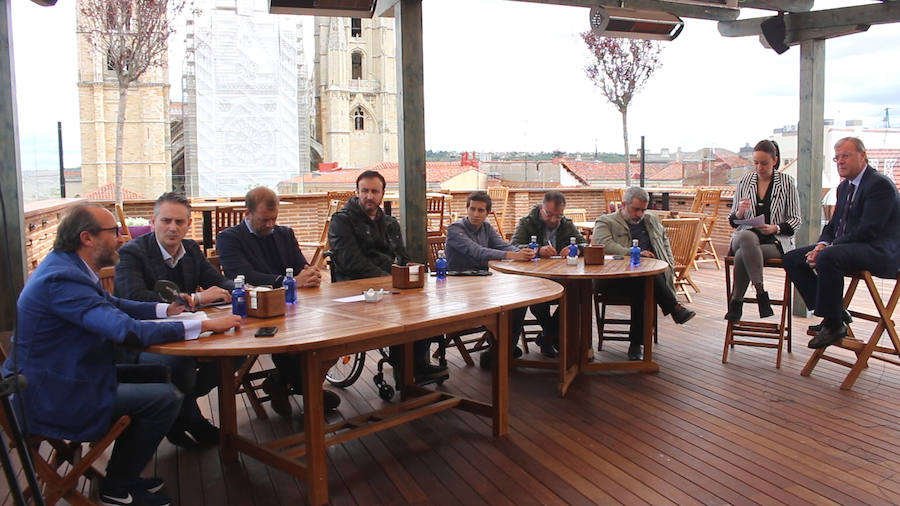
x=699 y=431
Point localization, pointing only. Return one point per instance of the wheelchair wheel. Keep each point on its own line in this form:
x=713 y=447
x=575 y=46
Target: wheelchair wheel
x=346 y=370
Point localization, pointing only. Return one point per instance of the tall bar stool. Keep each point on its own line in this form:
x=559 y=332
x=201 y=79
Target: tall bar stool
x=871 y=347
x=758 y=333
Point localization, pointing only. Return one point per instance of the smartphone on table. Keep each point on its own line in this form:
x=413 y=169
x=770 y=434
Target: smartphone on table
x=266 y=331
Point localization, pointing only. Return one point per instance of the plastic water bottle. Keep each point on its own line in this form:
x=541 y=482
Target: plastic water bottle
x=572 y=258
x=290 y=286
x=635 y=253
x=238 y=298
x=440 y=266
x=535 y=246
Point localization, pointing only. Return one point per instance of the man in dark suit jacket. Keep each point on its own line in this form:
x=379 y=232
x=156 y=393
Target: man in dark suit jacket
x=166 y=254
x=863 y=234
x=261 y=250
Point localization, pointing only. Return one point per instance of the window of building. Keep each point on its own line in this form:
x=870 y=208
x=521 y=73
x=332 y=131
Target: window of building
x=359 y=119
x=355 y=27
x=356 y=65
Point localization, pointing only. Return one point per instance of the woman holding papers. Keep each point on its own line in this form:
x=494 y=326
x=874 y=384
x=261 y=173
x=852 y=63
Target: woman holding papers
x=765 y=214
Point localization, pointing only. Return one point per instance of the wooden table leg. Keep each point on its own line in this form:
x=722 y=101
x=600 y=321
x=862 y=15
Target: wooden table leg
x=500 y=375
x=570 y=333
x=649 y=309
x=227 y=409
x=314 y=427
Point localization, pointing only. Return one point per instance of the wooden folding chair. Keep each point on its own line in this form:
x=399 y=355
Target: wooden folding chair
x=342 y=197
x=60 y=465
x=576 y=214
x=622 y=326
x=434 y=210
x=871 y=347
x=761 y=333
x=706 y=202
x=124 y=226
x=322 y=244
x=499 y=200
x=612 y=199
x=227 y=217
x=684 y=236
x=108 y=278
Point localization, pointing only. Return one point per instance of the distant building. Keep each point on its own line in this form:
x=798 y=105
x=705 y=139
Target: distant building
x=246 y=101
x=145 y=154
x=438 y=176
x=356 y=91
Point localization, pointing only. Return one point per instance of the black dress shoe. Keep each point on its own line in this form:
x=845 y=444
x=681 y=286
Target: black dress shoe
x=845 y=317
x=828 y=336
x=278 y=394
x=204 y=432
x=546 y=345
x=765 y=304
x=634 y=352
x=330 y=400
x=735 y=310
x=178 y=437
x=681 y=314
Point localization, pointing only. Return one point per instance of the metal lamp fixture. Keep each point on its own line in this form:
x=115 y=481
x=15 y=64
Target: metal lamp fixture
x=624 y=23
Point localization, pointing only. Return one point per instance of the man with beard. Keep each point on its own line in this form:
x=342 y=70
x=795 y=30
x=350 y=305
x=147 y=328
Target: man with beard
x=365 y=242
x=262 y=251
x=68 y=327
x=616 y=231
x=166 y=254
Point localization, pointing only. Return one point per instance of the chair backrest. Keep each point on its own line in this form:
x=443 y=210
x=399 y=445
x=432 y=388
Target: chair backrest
x=707 y=201
x=435 y=244
x=576 y=214
x=341 y=197
x=318 y=258
x=499 y=198
x=614 y=205
x=434 y=210
x=108 y=278
x=212 y=256
x=227 y=217
x=684 y=237
x=611 y=195
x=124 y=226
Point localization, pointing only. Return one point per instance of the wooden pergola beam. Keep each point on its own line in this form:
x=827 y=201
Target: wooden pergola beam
x=810 y=24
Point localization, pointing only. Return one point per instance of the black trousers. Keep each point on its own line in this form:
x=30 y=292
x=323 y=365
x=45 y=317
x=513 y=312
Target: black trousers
x=634 y=289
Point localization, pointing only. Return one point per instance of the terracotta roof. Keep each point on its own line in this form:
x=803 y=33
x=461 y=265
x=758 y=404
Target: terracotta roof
x=600 y=171
x=108 y=192
x=435 y=172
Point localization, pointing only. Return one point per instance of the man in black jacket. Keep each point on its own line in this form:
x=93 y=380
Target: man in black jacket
x=365 y=242
x=262 y=251
x=164 y=253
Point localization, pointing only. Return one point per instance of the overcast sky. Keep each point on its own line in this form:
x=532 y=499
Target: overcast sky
x=502 y=75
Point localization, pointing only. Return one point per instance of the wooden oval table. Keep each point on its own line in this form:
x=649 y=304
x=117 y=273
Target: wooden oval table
x=576 y=309
x=320 y=329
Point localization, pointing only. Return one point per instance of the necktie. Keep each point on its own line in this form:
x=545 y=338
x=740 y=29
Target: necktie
x=842 y=226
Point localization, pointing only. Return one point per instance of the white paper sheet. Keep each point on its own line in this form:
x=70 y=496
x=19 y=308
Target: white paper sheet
x=752 y=222
x=187 y=315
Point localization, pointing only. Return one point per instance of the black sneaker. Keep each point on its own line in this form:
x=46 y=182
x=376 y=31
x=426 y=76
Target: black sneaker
x=134 y=497
x=152 y=484
x=278 y=394
x=204 y=432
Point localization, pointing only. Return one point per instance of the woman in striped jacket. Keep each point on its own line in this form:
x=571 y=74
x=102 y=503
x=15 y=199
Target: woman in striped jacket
x=773 y=195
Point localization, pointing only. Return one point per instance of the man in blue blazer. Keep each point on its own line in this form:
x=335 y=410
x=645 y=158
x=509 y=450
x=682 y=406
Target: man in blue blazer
x=166 y=254
x=262 y=251
x=863 y=234
x=68 y=327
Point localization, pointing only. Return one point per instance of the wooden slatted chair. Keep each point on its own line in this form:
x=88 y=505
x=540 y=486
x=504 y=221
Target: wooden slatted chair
x=684 y=236
x=124 y=226
x=621 y=326
x=612 y=199
x=322 y=244
x=342 y=197
x=870 y=348
x=757 y=333
x=576 y=214
x=434 y=210
x=227 y=217
x=499 y=200
x=707 y=202
x=108 y=278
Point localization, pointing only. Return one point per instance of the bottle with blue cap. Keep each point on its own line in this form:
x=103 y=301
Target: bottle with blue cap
x=635 y=253
x=440 y=266
x=290 y=286
x=238 y=298
x=535 y=246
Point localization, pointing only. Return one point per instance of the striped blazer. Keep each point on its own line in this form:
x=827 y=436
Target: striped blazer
x=785 y=206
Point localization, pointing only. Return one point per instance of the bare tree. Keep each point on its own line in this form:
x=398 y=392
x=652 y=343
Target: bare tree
x=132 y=35
x=620 y=69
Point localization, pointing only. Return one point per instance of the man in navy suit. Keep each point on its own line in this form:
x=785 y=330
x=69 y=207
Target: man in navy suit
x=261 y=250
x=166 y=254
x=863 y=234
x=68 y=326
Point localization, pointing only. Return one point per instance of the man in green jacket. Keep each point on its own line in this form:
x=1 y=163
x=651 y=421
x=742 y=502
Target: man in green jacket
x=553 y=232
x=616 y=231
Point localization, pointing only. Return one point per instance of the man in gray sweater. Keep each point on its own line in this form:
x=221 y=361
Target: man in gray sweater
x=472 y=242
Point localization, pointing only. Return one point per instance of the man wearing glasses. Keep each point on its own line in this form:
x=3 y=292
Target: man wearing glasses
x=553 y=231
x=68 y=326
x=863 y=234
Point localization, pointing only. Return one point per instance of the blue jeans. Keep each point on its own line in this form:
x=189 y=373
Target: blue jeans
x=193 y=379
x=152 y=408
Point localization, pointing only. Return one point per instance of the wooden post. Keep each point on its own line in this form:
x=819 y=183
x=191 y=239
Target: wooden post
x=810 y=141
x=411 y=122
x=12 y=229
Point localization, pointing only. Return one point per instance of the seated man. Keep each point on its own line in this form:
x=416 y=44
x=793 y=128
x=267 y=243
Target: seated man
x=863 y=234
x=472 y=242
x=553 y=231
x=166 y=254
x=616 y=232
x=365 y=242
x=68 y=327
x=262 y=251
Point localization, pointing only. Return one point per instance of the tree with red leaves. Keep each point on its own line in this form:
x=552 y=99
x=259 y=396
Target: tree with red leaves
x=133 y=36
x=620 y=69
